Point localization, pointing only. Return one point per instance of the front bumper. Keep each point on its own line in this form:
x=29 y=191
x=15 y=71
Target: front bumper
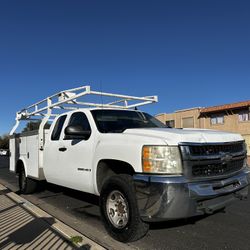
x=168 y=198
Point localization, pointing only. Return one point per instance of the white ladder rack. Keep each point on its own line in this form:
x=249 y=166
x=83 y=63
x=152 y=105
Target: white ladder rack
x=72 y=99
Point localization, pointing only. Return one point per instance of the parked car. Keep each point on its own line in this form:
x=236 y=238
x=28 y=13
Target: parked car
x=4 y=152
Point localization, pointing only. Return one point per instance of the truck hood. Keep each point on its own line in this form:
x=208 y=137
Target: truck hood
x=176 y=136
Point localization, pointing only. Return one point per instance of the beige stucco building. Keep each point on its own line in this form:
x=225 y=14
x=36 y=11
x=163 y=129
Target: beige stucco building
x=234 y=117
x=186 y=118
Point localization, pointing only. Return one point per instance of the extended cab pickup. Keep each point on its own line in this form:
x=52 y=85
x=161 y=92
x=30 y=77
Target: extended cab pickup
x=142 y=170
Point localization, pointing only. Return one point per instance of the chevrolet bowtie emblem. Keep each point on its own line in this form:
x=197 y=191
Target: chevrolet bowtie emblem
x=226 y=157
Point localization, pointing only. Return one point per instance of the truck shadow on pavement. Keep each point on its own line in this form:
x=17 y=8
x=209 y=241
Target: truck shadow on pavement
x=80 y=203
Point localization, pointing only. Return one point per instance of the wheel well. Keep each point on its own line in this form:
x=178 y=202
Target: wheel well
x=108 y=168
x=19 y=166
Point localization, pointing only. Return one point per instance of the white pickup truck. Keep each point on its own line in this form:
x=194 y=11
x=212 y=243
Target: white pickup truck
x=142 y=170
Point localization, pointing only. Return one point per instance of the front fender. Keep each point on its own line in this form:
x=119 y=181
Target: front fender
x=106 y=151
x=121 y=147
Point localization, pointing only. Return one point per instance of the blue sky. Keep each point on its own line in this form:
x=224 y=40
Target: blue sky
x=189 y=53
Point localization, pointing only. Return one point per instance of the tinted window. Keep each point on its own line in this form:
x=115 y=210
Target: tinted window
x=170 y=123
x=116 y=121
x=58 y=128
x=79 y=119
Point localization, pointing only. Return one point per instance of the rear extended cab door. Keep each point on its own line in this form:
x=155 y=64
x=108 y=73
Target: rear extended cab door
x=68 y=162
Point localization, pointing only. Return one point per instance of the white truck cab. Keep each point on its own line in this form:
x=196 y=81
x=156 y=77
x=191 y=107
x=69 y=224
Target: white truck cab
x=142 y=170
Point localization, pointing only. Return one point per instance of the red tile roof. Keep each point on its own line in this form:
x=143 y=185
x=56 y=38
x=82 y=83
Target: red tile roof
x=236 y=105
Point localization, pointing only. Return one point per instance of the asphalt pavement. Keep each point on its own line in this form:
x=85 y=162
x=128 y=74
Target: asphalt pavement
x=229 y=229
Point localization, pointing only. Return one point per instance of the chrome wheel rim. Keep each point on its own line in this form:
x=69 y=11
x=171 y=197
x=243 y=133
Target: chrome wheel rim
x=117 y=209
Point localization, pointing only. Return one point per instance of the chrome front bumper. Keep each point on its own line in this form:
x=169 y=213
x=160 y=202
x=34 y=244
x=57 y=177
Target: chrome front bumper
x=168 y=198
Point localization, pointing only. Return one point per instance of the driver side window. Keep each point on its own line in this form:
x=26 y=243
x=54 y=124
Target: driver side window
x=79 y=119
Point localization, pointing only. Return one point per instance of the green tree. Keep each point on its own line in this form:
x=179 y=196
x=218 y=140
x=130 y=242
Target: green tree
x=31 y=126
x=4 y=142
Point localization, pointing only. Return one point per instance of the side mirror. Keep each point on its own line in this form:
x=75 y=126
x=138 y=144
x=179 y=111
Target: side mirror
x=76 y=132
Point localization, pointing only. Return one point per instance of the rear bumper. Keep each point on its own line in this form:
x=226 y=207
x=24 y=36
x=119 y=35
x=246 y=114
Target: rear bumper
x=168 y=198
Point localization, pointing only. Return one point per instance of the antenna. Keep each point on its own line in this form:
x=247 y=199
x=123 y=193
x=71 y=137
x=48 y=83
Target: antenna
x=101 y=93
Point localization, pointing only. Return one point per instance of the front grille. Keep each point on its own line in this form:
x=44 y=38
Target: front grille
x=201 y=150
x=207 y=160
x=217 y=169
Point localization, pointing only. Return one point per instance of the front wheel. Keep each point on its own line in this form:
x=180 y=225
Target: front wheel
x=26 y=184
x=119 y=209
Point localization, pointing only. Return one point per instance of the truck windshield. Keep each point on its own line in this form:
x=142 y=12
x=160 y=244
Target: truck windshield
x=116 y=121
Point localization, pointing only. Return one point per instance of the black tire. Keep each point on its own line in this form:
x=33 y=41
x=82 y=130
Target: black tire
x=132 y=228
x=26 y=184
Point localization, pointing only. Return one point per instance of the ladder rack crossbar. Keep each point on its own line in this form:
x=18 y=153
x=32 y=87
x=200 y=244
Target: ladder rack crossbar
x=123 y=96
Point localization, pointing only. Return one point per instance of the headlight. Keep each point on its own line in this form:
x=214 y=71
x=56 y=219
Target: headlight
x=161 y=159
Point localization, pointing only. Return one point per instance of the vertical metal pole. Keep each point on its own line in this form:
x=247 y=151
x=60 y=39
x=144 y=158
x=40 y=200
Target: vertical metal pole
x=16 y=125
x=44 y=121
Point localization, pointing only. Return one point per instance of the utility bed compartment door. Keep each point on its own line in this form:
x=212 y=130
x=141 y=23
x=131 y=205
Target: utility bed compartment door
x=14 y=152
x=29 y=154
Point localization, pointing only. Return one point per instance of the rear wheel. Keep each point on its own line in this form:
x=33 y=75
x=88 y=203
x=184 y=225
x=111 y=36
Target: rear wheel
x=119 y=209
x=26 y=184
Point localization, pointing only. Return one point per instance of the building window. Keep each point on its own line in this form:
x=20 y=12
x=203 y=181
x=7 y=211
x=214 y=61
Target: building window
x=188 y=122
x=244 y=116
x=170 y=124
x=217 y=119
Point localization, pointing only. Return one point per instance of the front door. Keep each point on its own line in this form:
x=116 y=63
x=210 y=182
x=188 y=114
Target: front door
x=68 y=162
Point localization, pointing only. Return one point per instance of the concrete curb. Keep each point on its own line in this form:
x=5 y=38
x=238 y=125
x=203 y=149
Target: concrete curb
x=64 y=230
